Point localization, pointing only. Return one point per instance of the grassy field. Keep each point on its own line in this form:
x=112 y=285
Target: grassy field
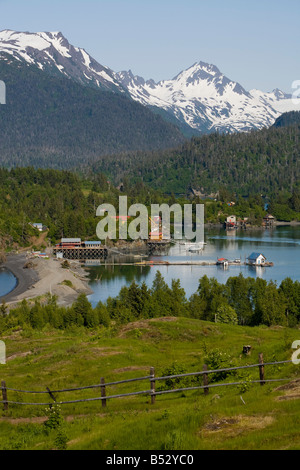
x=233 y=417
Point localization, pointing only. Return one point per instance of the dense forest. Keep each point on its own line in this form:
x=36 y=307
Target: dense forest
x=61 y=200
x=288 y=119
x=243 y=301
x=260 y=162
x=66 y=204
x=54 y=122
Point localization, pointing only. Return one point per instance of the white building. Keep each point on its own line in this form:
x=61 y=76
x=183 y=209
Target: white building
x=256 y=259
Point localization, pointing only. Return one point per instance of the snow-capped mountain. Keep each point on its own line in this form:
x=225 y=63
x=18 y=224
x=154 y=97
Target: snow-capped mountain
x=51 y=52
x=199 y=99
x=206 y=99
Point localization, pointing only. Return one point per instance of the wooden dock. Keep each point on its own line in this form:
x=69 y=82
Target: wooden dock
x=182 y=263
x=81 y=252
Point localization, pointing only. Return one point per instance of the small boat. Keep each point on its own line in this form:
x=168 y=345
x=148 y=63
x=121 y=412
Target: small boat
x=196 y=247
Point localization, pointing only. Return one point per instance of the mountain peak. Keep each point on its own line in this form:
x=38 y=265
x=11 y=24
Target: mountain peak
x=51 y=51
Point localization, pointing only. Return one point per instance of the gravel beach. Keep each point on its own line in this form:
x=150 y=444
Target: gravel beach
x=45 y=275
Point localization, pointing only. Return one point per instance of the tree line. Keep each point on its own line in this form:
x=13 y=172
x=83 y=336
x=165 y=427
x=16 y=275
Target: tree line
x=66 y=202
x=241 y=301
x=259 y=162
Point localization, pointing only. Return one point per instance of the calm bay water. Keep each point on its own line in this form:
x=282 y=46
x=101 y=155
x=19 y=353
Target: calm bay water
x=7 y=282
x=280 y=245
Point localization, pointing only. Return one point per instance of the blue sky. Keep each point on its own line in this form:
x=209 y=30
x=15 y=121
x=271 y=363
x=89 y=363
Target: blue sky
x=256 y=43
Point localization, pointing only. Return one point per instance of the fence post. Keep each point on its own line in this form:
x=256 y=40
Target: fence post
x=152 y=385
x=51 y=395
x=4 y=395
x=205 y=380
x=261 y=369
x=103 y=392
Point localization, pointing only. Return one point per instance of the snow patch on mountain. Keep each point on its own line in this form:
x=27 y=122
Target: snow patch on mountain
x=52 y=52
x=200 y=97
x=205 y=99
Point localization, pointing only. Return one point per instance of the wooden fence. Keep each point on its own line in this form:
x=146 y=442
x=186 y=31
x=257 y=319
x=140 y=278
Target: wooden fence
x=152 y=392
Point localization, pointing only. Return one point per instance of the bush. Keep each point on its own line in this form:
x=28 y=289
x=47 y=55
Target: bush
x=55 y=418
x=226 y=314
x=217 y=359
x=177 y=382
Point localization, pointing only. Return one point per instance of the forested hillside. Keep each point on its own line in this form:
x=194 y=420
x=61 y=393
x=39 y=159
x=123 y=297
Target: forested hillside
x=51 y=197
x=55 y=122
x=259 y=162
x=65 y=203
x=288 y=119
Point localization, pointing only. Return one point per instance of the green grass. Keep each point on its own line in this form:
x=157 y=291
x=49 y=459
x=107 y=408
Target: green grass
x=227 y=418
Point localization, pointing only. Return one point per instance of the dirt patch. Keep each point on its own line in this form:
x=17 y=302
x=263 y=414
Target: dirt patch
x=103 y=352
x=144 y=326
x=292 y=391
x=164 y=319
x=130 y=368
x=16 y=421
x=232 y=426
x=42 y=419
x=137 y=325
x=17 y=355
x=293 y=385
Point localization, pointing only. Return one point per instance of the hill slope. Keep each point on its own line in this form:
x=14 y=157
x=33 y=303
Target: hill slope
x=55 y=122
x=261 y=162
x=288 y=119
x=263 y=419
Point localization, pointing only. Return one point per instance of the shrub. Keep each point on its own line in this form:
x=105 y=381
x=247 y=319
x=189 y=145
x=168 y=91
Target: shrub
x=226 y=314
x=216 y=359
x=55 y=418
x=176 y=382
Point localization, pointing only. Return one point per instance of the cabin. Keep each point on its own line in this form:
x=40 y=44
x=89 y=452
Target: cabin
x=231 y=219
x=256 y=259
x=230 y=222
x=70 y=242
x=268 y=220
x=92 y=244
x=39 y=226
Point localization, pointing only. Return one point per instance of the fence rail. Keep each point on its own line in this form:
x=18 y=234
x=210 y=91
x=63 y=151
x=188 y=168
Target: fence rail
x=151 y=392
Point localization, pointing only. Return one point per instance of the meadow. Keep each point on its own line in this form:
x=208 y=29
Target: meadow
x=247 y=416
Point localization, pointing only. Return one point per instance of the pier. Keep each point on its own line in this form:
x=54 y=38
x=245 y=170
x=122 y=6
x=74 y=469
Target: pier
x=81 y=253
x=184 y=263
x=75 y=249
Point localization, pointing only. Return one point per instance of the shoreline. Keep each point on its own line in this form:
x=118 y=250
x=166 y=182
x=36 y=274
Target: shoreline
x=45 y=276
x=25 y=278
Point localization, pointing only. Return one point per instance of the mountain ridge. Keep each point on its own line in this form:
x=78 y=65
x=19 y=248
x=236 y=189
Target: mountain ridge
x=205 y=99
x=54 y=122
x=52 y=52
x=199 y=99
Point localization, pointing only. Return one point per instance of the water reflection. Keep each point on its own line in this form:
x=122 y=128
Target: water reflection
x=280 y=245
x=128 y=273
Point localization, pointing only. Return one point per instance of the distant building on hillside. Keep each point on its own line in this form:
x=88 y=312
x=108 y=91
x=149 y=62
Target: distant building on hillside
x=39 y=226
